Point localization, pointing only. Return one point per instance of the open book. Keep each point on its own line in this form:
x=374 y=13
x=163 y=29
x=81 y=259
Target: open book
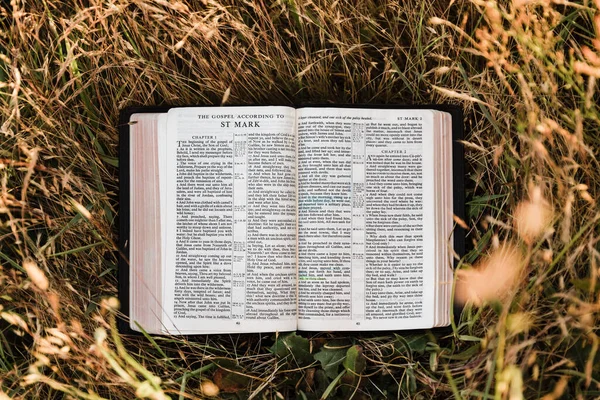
x=260 y=219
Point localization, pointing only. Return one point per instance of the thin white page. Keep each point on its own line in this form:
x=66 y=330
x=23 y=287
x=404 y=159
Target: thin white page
x=438 y=217
x=231 y=220
x=366 y=255
x=162 y=167
x=144 y=241
x=449 y=204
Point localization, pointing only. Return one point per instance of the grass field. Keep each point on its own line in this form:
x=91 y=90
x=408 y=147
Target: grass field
x=525 y=73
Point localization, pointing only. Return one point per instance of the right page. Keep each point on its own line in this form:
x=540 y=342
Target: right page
x=366 y=215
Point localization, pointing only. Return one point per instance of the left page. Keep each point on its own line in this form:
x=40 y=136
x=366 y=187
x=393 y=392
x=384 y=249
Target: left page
x=230 y=230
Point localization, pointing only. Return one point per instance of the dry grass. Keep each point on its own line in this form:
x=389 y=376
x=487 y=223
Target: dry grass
x=525 y=73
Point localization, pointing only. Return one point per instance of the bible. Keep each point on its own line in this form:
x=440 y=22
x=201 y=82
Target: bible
x=272 y=218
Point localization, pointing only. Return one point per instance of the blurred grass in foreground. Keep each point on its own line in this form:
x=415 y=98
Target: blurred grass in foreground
x=525 y=73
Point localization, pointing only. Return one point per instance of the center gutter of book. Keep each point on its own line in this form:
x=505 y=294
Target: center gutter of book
x=267 y=218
